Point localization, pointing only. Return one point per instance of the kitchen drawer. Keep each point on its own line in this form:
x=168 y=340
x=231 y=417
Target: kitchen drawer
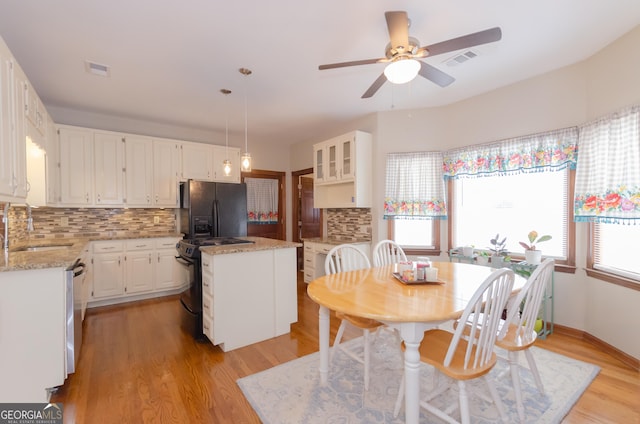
x=309 y=261
x=138 y=244
x=165 y=243
x=308 y=274
x=107 y=246
x=207 y=327
x=207 y=305
x=207 y=284
x=324 y=248
x=207 y=265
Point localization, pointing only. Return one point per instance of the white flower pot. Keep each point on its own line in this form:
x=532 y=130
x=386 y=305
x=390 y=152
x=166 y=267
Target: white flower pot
x=533 y=257
x=482 y=260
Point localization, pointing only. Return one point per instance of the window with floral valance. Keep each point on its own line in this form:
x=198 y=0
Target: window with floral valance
x=414 y=186
x=608 y=173
x=262 y=200
x=545 y=151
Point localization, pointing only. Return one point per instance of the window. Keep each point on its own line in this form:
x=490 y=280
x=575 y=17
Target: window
x=512 y=205
x=414 y=201
x=417 y=237
x=608 y=195
x=612 y=251
x=512 y=187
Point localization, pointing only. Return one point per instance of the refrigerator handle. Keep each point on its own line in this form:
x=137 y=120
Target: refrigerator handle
x=214 y=222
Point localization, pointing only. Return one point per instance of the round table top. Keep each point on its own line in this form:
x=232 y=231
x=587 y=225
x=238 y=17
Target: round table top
x=375 y=293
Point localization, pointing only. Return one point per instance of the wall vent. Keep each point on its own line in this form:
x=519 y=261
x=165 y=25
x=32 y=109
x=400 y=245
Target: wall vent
x=97 y=68
x=461 y=58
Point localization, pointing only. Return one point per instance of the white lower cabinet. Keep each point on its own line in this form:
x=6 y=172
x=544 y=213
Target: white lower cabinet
x=139 y=267
x=133 y=269
x=315 y=254
x=166 y=274
x=32 y=334
x=108 y=272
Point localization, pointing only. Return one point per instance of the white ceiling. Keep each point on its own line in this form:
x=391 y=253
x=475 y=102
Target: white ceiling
x=169 y=59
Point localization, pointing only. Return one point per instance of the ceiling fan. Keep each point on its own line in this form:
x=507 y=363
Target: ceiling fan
x=402 y=52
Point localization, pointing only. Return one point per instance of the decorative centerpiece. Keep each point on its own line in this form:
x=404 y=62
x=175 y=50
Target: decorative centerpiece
x=531 y=254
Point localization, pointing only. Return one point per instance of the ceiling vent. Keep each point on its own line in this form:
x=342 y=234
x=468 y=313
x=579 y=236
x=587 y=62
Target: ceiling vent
x=461 y=58
x=97 y=69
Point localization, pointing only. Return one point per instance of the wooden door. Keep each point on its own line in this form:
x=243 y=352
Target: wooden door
x=307 y=222
x=309 y=216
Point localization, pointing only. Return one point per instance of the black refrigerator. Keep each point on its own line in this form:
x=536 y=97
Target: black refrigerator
x=209 y=209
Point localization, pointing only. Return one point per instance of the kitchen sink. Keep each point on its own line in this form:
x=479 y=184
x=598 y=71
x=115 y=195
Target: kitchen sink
x=42 y=248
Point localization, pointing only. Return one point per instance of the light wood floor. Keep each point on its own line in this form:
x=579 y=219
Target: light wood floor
x=138 y=366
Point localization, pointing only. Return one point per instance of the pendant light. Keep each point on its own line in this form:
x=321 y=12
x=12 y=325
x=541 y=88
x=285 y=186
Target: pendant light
x=226 y=164
x=245 y=160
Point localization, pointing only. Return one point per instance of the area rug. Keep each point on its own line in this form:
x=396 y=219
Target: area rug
x=291 y=392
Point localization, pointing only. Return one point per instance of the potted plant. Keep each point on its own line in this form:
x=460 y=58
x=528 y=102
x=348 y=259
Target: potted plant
x=499 y=250
x=483 y=257
x=531 y=254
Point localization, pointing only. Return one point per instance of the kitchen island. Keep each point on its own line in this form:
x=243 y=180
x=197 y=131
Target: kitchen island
x=249 y=291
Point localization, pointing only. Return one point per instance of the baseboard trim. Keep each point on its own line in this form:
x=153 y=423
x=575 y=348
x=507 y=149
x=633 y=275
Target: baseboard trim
x=612 y=350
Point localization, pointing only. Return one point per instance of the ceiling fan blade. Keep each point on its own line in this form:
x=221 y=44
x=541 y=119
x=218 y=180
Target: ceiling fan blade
x=375 y=86
x=466 y=41
x=435 y=75
x=398 y=25
x=352 y=63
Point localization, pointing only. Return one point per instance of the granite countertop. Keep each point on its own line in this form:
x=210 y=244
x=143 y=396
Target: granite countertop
x=334 y=241
x=260 y=243
x=17 y=259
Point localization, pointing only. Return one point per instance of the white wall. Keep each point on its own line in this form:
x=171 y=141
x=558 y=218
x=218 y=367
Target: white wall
x=566 y=97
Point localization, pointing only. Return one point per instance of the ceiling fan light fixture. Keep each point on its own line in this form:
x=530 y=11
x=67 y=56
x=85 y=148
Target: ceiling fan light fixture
x=402 y=70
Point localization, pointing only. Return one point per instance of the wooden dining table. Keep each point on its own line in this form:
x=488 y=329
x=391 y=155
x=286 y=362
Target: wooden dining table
x=410 y=308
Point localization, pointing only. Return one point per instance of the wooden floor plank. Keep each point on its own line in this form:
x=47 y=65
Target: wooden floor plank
x=138 y=366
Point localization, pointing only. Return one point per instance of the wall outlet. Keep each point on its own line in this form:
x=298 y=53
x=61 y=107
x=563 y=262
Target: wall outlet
x=156 y=219
x=64 y=221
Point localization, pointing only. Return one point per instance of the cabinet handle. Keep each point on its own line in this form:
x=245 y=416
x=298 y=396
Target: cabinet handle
x=205 y=264
x=141 y=245
x=205 y=284
x=206 y=306
x=98 y=198
x=149 y=257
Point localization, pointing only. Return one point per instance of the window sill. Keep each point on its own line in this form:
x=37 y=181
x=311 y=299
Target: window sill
x=614 y=279
x=422 y=252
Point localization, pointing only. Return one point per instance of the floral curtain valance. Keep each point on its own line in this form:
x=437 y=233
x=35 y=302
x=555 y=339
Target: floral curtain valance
x=608 y=173
x=262 y=200
x=545 y=151
x=414 y=186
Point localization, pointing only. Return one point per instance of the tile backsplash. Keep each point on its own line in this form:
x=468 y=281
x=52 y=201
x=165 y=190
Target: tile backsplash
x=84 y=222
x=349 y=224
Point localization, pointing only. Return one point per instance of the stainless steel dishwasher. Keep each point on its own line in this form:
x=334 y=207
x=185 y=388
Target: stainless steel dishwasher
x=75 y=274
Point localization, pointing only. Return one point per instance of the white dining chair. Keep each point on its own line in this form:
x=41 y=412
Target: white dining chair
x=520 y=335
x=387 y=252
x=341 y=258
x=468 y=353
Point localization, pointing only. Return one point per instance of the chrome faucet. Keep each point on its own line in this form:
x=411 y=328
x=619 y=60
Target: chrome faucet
x=5 y=221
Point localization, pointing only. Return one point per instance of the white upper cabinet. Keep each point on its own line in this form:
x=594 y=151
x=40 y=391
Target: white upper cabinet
x=139 y=171
x=52 y=163
x=343 y=171
x=197 y=161
x=220 y=154
x=76 y=166
x=108 y=168
x=165 y=173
